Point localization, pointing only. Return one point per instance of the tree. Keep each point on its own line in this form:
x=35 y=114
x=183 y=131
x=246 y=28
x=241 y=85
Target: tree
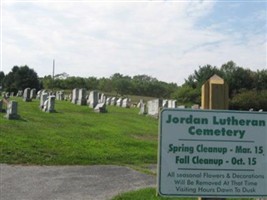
x=20 y=78
x=2 y=76
x=237 y=78
x=121 y=84
x=105 y=84
x=186 y=94
x=261 y=80
x=91 y=83
x=200 y=76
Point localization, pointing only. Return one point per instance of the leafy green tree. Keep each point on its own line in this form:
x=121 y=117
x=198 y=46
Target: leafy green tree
x=91 y=83
x=47 y=82
x=105 y=84
x=248 y=99
x=200 y=76
x=2 y=76
x=187 y=95
x=237 y=78
x=261 y=80
x=20 y=78
x=121 y=84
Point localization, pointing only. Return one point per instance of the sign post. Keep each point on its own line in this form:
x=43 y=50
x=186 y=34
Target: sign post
x=212 y=153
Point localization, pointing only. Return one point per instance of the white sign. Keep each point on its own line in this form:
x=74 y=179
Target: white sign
x=212 y=153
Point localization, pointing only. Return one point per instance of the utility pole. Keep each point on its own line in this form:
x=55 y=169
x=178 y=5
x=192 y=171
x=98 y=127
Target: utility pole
x=53 y=75
x=53 y=69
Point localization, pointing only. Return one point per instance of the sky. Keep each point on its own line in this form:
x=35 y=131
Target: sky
x=166 y=40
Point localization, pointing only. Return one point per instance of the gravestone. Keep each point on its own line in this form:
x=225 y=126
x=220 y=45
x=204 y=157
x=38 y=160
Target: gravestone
x=153 y=107
x=75 y=93
x=100 y=108
x=108 y=101
x=60 y=95
x=119 y=102
x=165 y=103
x=33 y=93
x=143 y=109
x=26 y=95
x=141 y=101
x=113 y=101
x=38 y=95
x=43 y=98
x=93 y=99
x=195 y=106
x=20 y=93
x=172 y=103
x=49 y=104
x=102 y=98
x=81 y=97
x=12 y=110
x=125 y=103
x=12 y=94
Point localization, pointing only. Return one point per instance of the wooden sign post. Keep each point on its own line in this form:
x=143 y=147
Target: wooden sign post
x=214 y=95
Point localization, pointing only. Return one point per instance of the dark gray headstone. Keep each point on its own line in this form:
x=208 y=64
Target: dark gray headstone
x=12 y=110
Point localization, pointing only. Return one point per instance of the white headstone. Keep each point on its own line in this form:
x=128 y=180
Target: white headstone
x=108 y=101
x=125 y=103
x=113 y=101
x=33 y=93
x=100 y=108
x=119 y=102
x=26 y=94
x=154 y=107
x=43 y=98
x=93 y=99
x=81 y=97
x=75 y=93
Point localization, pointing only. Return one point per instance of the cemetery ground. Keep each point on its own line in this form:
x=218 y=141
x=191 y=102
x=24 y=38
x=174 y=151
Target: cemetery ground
x=76 y=135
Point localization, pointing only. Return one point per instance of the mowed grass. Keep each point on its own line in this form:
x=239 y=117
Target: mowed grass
x=150 y=194
x=145 y=194
x=76 y=135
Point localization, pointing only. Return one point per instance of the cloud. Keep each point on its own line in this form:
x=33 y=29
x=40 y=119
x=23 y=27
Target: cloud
x=166 y=40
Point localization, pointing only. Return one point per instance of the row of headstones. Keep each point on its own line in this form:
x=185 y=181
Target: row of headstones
x=28 y=94
x=94 y=99
x=97 y=100
x=47 y=100
x=153 y=107
x=120 y=102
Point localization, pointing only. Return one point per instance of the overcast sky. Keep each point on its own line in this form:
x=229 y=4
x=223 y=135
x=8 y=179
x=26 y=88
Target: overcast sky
x=167 y=40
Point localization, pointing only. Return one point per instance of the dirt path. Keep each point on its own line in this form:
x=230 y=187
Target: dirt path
x=100 y=182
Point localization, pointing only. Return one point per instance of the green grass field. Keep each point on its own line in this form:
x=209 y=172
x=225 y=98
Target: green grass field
x=150 y=194
x=145 y=194
x=76 y=135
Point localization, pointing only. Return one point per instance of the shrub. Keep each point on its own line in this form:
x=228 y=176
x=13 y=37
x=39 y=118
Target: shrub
x=249 y=99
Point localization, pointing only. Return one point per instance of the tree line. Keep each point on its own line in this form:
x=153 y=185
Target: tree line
x=246 y=87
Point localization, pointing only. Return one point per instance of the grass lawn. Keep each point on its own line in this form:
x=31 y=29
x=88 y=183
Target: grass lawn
x=145 y=194
x=75 y=135
x=150 y=194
